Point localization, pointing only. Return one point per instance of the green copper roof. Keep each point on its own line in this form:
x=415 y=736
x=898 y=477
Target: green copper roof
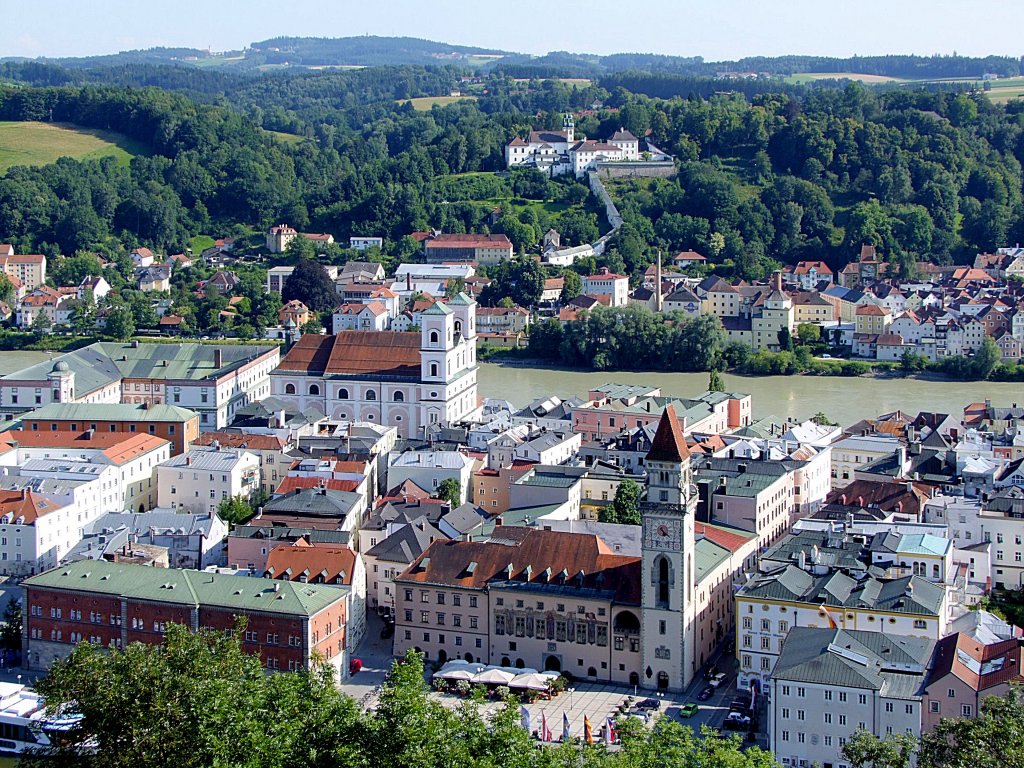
x=103 y=363
x=437 y=308
x=109 y=412
x=461 y=299
x=193 y=588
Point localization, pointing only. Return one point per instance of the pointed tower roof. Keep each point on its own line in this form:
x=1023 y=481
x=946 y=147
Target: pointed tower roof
x=668 y=443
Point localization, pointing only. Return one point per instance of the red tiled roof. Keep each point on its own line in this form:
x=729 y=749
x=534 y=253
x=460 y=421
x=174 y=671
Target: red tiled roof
x=65 y=438
x=356 y=352
x=689 y=256
x=447 y=562
x=26 y=505
x=804 y=267
x=469 y=241
x=872 y=309
x=948 y=660
x=135 y=446
x=318 y=564
x=668 y=443
x=720 y=536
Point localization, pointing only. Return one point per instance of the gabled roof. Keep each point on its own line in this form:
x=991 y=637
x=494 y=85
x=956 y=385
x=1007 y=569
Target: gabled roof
x=313 y=564
x=528 y=558
x=669 y=444
x=354 y=353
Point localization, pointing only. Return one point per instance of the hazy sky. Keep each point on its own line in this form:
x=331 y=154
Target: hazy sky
x=715 y=29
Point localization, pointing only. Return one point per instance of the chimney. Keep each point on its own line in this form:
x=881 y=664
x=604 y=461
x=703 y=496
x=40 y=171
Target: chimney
x=218 y=357
x=657 y=287
x=280 y=419
x=777 y=281
x=297 y=491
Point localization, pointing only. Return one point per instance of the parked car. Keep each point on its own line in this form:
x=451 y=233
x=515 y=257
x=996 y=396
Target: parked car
x=706 y=693
x=354 y=666
x=711 y=672
x=387 y=631
x=689 y=709
x=737 y=717
x=741 y=707
x=717 y=680
x=651 y=703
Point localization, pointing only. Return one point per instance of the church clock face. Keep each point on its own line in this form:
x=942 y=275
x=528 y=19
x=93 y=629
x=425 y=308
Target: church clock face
x=663 y=534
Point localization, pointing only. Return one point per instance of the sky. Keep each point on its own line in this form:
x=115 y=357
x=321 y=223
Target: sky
x=714 y=29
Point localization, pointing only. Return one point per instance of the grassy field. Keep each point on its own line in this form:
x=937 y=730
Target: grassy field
x=42 y=143
x=581 y=81
x=200 y=243
x=287 y=138
x=426 y=103
x=806 y=77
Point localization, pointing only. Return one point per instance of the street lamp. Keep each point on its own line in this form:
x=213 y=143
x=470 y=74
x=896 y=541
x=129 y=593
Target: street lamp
x=570 y=691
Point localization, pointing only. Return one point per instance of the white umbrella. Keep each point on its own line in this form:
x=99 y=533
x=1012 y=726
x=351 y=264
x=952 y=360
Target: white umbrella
x=494 y=676
x=531 y=681
x=456 y=674
x=460 y=671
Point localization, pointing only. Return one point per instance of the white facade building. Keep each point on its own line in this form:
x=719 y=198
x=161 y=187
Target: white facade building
x=200 y=479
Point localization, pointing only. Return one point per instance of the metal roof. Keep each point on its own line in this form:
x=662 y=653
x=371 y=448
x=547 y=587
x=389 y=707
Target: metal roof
x=194 y=588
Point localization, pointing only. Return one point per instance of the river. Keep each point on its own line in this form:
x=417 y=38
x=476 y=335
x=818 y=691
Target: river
x=844 y=400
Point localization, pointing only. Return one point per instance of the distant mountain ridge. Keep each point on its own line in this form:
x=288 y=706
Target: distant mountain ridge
x=374 y=51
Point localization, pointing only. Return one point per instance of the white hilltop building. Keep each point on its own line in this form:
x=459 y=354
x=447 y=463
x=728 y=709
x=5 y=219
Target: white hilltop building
x=560 y=152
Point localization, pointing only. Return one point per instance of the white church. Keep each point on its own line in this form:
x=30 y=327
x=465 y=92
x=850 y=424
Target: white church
x=559 y=152
x=407 y=380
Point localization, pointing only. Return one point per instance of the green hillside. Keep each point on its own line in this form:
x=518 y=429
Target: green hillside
x=30 y=143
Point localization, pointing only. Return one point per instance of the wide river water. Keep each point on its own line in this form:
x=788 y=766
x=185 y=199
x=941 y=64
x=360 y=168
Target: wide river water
x=844 y=400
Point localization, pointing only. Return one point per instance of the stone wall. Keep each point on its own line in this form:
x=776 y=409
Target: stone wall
x=652 y=169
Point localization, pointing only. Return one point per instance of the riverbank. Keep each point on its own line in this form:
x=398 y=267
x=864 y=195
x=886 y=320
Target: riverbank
x=843 y=399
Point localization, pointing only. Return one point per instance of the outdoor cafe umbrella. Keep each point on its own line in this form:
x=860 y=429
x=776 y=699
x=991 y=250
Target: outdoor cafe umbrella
x=531 y=681
x=459 y=671
x=494 y=677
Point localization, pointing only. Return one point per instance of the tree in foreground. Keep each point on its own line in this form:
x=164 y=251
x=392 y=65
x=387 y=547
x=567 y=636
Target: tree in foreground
x=10 y=631
x=450 y=490
x=198 y=700
x=865 y=750
x=993 y=739
x=235 y=511
x=626 y=506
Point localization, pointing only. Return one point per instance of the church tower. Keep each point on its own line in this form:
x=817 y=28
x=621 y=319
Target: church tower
x=667 y=602
x=437 y=356
x=569 y=125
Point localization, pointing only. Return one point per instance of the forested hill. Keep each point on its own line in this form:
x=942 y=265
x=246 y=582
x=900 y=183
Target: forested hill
x=765 y=178
x=372 y=51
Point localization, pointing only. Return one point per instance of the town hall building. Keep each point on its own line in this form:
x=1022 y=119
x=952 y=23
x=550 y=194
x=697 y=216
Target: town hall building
x=558 y=600
x=407 y=380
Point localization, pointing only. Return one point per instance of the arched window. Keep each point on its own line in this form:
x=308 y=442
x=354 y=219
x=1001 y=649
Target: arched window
x=433 y=369
x=314 y=389
x=371 y=395
x=663 y=581
x=289 y=389
x=458 y=327
x=434 y=337
x=343 y=394
x=399 y=397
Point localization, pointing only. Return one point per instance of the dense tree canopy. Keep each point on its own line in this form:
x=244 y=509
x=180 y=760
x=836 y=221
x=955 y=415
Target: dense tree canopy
x=198 y=700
